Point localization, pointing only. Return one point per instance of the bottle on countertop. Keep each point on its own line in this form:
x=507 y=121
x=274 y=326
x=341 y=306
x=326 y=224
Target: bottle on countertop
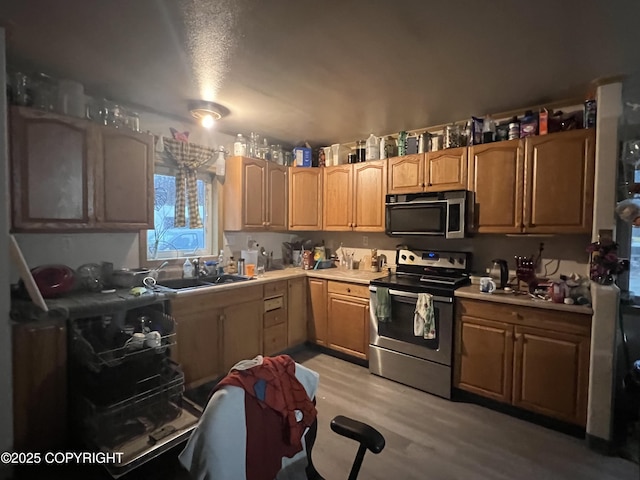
x=187 y=269
x=231 y=266
x=374 y=260
x=220 y=265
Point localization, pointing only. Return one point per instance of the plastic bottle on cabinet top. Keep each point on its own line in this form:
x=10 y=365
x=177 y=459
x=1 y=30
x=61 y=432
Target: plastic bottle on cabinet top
x=372 y=148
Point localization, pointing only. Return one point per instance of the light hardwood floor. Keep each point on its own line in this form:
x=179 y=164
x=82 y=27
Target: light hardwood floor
x=429 y=438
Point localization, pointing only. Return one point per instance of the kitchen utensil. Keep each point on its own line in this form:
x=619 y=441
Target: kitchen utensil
x=487 y=285
x=53 y=280
x=500 y=272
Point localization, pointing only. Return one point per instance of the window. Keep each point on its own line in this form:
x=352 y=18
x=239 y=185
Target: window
x=166 y=240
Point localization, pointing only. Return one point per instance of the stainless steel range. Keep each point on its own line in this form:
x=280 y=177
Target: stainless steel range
x=395 y=351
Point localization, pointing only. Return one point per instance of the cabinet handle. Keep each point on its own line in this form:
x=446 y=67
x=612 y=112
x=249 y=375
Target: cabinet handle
x=515 y=315
x=518 y=337
x=508 y=334
x=348 y=290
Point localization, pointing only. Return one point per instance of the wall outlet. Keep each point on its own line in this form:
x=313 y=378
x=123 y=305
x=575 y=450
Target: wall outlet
x=365 y=241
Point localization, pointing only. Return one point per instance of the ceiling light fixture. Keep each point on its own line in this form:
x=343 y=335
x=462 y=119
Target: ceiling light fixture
x=207 y=113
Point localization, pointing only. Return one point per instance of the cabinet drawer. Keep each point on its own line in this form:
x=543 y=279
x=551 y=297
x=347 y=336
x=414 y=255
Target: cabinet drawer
x=275 y=339
x=273 y=303
x=275 y=288
x=566 y=322
x=275 y=317
x=352 y=289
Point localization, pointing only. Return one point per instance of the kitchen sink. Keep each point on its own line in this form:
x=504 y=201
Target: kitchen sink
x=180 y=283
x=209 y=281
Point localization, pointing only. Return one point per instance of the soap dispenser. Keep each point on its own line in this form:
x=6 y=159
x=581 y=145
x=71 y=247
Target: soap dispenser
x=187 y=269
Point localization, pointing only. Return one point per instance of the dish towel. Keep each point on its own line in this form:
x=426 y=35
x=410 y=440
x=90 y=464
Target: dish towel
x=383 y=309
x=424 y=321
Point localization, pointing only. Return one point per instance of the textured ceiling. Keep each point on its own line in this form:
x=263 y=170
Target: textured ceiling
x=330 y=70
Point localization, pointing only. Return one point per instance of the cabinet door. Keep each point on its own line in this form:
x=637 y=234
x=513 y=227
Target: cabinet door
x=338 y=198
x=297 y=312
x=52 y=165
x=124 y=180
x=318 y=311
x=406 y=174
x=446 y=170
x=305 y=198
x=369 y=190
x=484 y=357
x=40 y=386
x=254 y=174
x=347 y=321
x=496 y=177
x=241 y=332
x=198 y=340
x=551 y=373
x=559 y=174
x=276 y=206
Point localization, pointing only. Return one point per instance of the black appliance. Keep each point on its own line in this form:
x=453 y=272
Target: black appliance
x=394 y=351
x=439 y=214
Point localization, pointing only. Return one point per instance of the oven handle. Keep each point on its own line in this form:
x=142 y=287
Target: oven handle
x=400 y=293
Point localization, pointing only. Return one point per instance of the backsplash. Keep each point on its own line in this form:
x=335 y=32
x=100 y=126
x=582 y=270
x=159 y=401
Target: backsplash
x=563 y=254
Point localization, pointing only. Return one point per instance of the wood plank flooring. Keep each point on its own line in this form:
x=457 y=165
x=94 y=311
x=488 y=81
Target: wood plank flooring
x=429 y=438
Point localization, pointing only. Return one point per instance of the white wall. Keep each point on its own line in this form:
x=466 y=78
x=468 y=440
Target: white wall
x=6 y=391
x=75 y=249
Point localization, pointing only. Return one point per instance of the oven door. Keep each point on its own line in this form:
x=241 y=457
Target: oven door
x=397 y=334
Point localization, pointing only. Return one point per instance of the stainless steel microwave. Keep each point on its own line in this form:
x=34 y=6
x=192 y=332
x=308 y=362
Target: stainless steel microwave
x=439 y=213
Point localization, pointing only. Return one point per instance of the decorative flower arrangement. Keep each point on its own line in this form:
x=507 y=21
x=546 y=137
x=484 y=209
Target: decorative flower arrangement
x=605 y=262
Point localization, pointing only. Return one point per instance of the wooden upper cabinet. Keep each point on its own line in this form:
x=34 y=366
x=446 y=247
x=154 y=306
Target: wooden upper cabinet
x=406 y=174
x=124 y=179
x=369 y=190
x=551 y=373
x=255 y=195
x=305 y=198
x=254 y=173
x=276 y=204
x=559 y=175
x=338 y=198
x=70 y=174
x=446 y=170
x=496 y=175
x=52 y=165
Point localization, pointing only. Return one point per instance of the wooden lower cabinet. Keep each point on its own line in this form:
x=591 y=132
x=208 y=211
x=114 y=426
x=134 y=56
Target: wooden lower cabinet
x=40 y=386
x=534 y=359
x=348 y=318
x=297 y=311
x=551 y=373
x=198 y=339
x=214 y=330
x=317 y=311
x=484 y=357
x=241 y=332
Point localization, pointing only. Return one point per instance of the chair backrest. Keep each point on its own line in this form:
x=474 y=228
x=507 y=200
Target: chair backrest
x=217 y=447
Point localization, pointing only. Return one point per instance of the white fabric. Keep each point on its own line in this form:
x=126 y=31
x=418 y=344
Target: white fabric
x=424 y=319
x=217 y=447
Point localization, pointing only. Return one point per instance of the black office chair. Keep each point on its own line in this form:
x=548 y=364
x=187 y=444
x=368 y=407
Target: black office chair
x=367 y=436
x=212 y=447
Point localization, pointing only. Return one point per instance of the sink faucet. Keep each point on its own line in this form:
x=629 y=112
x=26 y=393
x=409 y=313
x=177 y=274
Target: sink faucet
x=196 y=267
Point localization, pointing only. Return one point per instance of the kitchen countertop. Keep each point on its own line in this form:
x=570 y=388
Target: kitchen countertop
x=338 y=274
x=473 y=291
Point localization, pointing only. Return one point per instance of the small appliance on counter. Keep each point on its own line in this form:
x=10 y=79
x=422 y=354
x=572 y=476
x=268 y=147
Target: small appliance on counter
x=499 y=272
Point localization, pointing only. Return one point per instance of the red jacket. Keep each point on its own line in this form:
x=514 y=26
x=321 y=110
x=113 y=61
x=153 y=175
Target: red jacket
x=272 y=394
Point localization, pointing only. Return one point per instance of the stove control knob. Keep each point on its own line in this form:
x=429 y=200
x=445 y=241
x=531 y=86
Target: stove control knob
x=412 y=258
x=404 y=257
x=460 y=261
x=451 y=260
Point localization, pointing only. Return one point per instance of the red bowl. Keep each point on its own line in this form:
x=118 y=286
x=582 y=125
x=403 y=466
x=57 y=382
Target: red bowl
x=53 y=280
